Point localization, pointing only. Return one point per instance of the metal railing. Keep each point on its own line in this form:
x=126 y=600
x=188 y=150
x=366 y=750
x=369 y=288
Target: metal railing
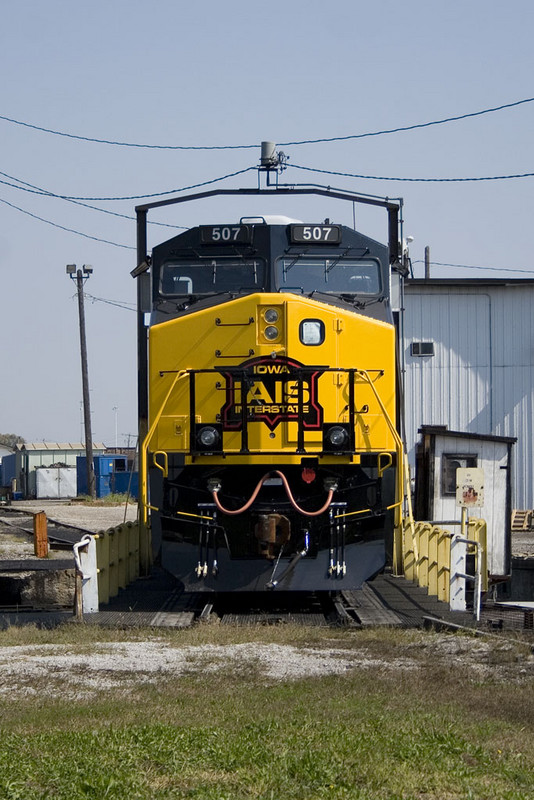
x=436 y=559
x=121 y=555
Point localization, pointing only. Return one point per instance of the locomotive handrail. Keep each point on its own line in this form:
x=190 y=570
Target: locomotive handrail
x=387 y=465
x=398 y=441
x=244 y=372
x=401 y=472
x=143 y=484
x=402 y=489
x=163 y=467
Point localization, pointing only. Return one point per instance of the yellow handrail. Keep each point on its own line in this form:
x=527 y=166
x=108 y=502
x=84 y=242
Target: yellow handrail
x=143 y=488
x=383 y=467
x=400 y=492
x=163 y=467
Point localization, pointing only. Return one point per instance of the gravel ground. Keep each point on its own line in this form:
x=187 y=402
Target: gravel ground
x=92 y=518
x=81 y=672
x=15 y=545
x=523 y=543
x=57 y=670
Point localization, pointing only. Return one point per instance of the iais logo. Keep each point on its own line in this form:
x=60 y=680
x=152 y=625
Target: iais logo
x=270 y=389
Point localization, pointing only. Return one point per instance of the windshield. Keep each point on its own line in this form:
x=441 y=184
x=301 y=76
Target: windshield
x=333 y=275
x=212 y=275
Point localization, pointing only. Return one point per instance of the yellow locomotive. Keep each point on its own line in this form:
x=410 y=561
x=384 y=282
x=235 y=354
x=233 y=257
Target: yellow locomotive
x=271 y=457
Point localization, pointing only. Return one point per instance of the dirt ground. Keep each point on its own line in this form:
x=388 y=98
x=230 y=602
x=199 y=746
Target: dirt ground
x=121 y=665
x=15 y=544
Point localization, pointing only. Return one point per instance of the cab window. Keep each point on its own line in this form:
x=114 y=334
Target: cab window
x=211 y=276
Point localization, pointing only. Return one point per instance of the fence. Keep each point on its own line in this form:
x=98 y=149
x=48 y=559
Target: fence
x=427 y=550
x=122 y=554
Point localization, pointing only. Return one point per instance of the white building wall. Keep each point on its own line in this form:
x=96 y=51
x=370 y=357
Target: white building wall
x=54 y=482
x=492 y=458
x=481 y=378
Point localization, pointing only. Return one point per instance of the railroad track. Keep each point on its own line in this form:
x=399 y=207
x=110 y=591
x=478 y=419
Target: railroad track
x=61 y=535
x=174 y=608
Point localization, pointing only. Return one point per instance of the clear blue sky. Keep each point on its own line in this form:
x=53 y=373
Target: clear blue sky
x=238 y=72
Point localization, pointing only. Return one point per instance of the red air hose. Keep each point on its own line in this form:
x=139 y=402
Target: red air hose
x=288 y=492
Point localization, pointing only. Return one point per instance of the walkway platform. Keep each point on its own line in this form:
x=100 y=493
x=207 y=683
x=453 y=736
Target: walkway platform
x=158 y=601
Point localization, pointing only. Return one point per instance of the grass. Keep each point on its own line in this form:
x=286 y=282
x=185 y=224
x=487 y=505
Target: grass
x=434 y=731
x=111 y=499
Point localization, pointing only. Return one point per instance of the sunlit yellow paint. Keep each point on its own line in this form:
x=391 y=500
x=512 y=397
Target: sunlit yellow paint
x=233 y=333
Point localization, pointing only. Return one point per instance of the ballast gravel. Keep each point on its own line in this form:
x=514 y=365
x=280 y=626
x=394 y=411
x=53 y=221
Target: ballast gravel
x=78 y=673
x=114 y=665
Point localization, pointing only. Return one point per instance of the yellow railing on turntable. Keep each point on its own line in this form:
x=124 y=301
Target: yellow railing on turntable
x=122 y=554
x=427 y=554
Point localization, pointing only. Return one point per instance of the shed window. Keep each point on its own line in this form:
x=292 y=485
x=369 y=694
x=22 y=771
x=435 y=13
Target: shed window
x=422 y=349
x=449 y=464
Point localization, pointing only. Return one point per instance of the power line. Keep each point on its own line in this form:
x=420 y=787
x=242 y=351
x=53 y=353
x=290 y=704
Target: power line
x=411 y=127
x=97 y=238
x=411 y=180
x=139 y=196
x=127 y=306
x=281 y=144
x=475 y=266
x=31 y=189
x=63 y=228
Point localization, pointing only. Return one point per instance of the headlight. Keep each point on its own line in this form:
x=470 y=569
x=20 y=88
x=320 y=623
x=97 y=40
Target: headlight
x=271 y=332
x=271 y=315
x=336 y=438
x=208 y=437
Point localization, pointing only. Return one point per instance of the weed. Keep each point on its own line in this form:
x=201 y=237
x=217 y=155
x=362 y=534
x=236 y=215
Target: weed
x=407 y=721
x=108 y=500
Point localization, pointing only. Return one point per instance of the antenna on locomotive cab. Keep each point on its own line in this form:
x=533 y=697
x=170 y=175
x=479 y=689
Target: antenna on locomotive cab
x=271 y=161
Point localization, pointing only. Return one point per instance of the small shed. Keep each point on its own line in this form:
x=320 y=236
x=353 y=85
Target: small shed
x=439 y=454
x=19 y=470
x=111 y=474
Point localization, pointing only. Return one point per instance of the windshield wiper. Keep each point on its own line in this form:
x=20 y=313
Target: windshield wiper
x=347 y=298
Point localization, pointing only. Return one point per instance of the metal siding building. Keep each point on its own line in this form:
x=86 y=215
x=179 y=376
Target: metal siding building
x=22 y=465
x=480 y=378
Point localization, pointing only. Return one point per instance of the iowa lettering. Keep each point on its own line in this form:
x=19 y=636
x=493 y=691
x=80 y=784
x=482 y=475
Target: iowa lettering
x=271 y=369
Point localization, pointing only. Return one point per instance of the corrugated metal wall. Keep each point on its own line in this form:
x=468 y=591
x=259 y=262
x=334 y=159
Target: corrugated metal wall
x=481 y=376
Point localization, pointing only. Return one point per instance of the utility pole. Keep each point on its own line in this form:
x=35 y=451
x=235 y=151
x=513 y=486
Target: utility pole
x=81 y=276
x=116 y=410
x=427 y=263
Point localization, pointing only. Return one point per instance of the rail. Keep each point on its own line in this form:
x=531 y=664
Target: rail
x=143 y=466
x=299 y=374
x=436 y=559
x=121 y=555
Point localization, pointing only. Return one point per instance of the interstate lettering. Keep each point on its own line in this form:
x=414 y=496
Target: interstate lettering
x=274 y=409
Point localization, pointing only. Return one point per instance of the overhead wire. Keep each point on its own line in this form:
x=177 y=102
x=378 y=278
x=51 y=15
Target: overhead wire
x=475 y=266
x=143 y=196
x=126 y=306
x=79 y=200
x=31 y=189
x=118 y=143
x=411 y=180
x=410 y=127
x=64 y=228
x=97 y=238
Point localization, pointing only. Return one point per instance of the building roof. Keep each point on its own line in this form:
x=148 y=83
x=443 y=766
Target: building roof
x=469 y=282
x=54 y=446
x=442 y=430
